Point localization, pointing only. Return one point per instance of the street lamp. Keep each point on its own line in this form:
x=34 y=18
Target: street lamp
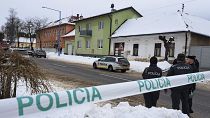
x=59 y=30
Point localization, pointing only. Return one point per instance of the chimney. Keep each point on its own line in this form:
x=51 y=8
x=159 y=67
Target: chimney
x=77 y=16
x=81 y=17
x=112 y=8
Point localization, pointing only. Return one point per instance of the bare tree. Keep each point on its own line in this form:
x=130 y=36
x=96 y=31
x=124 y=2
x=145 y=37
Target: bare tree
x=29 y=30
x=16 y=69
x=1 y=36
x=19 y=29
x=10 y=26
x=39 y=23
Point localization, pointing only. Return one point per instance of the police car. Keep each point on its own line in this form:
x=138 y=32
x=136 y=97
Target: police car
x=112 y=63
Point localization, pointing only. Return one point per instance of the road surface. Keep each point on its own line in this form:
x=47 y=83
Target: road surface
x=201 y=100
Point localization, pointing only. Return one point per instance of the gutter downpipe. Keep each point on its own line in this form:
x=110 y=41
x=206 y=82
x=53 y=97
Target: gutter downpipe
x=186 y=41
x=110 y=32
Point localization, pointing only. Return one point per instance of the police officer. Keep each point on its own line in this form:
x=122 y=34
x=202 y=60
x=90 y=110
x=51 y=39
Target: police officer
x=152 y=72
x=191 y=60
x=181 y=92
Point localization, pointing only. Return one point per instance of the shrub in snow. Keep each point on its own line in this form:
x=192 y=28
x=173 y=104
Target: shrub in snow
x=15 y=68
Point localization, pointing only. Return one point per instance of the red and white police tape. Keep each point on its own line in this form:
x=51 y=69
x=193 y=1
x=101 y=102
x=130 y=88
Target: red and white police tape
x=29 y=105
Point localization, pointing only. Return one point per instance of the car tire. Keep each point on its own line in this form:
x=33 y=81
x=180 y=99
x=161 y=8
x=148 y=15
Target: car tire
x=110 y=68
x=123 y=71
x=45 y=56
x=94 y=66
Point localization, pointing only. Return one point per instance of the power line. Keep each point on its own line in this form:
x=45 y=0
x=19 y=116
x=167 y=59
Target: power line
x=150 y=10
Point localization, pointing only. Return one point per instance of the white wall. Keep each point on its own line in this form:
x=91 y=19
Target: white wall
x=147 y=44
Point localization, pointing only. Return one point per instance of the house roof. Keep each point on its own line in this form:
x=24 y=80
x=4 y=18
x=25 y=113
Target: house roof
x=163 y=24
x=110 y=13
x=72 y=33
x=25 y=40
x=55 y=23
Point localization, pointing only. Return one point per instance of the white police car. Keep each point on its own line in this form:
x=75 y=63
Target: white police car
x=112 y=63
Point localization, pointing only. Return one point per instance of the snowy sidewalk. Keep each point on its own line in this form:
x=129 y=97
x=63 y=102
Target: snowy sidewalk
x=136 y=66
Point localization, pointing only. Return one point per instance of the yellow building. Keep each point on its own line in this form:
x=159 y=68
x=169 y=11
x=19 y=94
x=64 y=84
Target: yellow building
x=25 y=42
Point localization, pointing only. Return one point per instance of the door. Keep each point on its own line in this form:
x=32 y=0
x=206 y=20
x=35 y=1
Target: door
x=202 y=54
x=70 y=49
x=135 y=49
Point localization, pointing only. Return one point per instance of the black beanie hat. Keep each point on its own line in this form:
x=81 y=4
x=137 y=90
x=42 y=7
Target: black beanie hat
x=181 y=57
x=153 y=60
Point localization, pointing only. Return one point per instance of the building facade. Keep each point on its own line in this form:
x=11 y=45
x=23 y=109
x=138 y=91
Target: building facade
x=93 y=34
x=139 y=38
x=69 y=43
x=48 y=36
x=25 y=42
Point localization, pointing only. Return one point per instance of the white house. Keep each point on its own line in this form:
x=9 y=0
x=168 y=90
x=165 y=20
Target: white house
x=140 y=37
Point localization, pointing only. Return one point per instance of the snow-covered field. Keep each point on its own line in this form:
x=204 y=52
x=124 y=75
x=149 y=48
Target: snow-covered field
x=122 y=110
x=135 y=65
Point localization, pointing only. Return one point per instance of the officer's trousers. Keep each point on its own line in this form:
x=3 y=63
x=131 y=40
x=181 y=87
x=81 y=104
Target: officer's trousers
x=151 y=98
x=182 y=95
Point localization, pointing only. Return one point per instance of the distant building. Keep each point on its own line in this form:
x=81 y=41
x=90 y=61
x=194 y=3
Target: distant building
x=140 y=37
x=93 y=34
x=68 y=41
x=48 y=34
x=25 y=42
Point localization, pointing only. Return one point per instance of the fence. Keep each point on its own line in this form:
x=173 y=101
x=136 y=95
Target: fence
x=28 y=105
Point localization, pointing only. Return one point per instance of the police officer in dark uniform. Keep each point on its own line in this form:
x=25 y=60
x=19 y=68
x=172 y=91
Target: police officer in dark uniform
x=191 y=61
x=181 y=92
x=152 y=72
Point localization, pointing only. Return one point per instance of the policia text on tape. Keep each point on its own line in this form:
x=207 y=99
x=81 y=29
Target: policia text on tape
x=28 y=105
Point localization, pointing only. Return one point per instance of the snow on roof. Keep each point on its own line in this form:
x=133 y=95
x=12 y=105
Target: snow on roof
x=63 y=21
x=72 y=33
x=25 y=40
x=164 y=24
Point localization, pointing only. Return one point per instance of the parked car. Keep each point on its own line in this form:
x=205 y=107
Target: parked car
x=21 y=51
x=39 y=53
x=112 y=63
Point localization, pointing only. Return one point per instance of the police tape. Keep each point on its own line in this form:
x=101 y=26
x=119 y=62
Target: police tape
x=29 y=105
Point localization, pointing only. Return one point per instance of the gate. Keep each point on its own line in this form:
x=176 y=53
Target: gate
x=202 y=53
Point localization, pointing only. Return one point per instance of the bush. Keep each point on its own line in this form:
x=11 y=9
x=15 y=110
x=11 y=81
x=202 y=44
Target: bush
x=15 y=68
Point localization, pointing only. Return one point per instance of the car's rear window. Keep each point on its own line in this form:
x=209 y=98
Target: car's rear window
x=123 y=60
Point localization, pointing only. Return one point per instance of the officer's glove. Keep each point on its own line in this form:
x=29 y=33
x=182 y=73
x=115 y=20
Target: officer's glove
x=191 y=94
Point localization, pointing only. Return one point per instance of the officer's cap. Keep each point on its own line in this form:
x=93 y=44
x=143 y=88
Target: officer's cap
x=191 y=57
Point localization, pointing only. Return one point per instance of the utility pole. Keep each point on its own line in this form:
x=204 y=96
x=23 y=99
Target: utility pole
x=59 y=29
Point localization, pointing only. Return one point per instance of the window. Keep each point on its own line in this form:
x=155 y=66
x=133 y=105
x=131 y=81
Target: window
x=116 y=21
x=88 y=26
x=110 y=59
x=157 y=49
x=101 y=25
x=100 y=43
x=79 y=44
x=135 y=49
x=87 y=43
x=79 y=28
x=171 y=50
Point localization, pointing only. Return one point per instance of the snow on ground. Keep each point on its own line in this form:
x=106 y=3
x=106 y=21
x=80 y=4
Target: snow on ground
x=123 y=110
x=135 y=65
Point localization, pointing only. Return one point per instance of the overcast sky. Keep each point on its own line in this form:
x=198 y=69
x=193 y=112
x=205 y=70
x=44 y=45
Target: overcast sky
x=33 y=8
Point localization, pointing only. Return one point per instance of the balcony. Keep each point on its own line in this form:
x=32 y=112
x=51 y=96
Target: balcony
x=86 y=33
